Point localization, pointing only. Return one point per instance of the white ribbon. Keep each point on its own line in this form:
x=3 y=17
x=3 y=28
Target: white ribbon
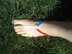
x=29 y=26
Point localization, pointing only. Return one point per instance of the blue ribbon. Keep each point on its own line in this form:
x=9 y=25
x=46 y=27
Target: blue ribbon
x=42 y=22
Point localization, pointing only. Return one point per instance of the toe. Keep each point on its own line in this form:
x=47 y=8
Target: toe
x=23 y=22
x=21 y=32
x=15 y=22
x=18 y=27
x=25 y=35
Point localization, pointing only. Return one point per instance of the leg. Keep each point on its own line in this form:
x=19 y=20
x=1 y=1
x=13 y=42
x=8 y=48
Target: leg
x=53 y=28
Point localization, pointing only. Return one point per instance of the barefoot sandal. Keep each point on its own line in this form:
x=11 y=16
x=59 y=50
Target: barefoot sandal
x=36 y=25
x=42 y=22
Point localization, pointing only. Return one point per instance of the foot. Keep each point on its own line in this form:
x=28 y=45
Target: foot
x=27 y=28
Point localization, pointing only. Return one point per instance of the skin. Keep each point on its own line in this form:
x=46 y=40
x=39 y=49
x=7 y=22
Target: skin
x=53 y=28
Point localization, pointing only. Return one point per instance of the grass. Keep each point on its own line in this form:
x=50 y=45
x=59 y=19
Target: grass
x=11 y=43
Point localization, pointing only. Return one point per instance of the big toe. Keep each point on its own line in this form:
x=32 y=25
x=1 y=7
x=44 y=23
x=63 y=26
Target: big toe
x=17 y=22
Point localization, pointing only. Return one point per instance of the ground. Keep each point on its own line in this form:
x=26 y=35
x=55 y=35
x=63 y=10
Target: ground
x=11 y=43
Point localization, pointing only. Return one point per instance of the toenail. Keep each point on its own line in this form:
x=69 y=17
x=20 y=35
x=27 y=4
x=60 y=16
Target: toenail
x=13 y=21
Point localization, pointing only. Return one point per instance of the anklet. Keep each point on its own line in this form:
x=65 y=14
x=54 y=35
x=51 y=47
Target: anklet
x=42 y=22
x=36 y=26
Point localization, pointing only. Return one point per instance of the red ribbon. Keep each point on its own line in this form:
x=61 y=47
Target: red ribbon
x=42 y=32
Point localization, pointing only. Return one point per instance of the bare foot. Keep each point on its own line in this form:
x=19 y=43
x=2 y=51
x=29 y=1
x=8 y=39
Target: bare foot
x=27 y=28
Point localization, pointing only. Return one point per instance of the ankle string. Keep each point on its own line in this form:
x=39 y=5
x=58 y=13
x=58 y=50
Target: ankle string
x=42 y=22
